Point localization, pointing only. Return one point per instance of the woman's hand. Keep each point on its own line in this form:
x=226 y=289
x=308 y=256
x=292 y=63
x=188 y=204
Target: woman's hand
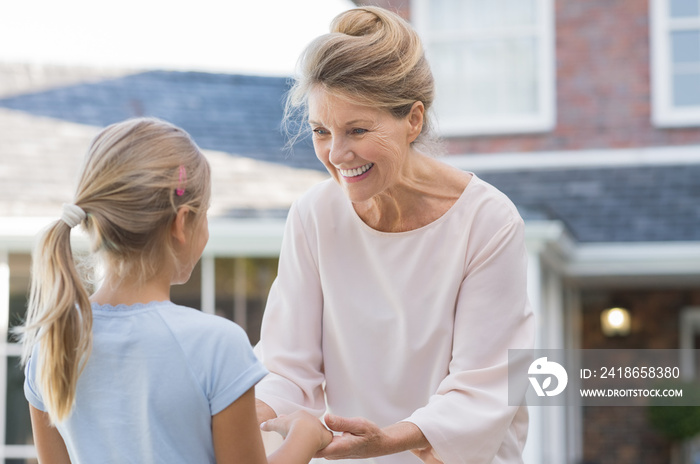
x=301 y=424
x=361 y=438
x=427 y=455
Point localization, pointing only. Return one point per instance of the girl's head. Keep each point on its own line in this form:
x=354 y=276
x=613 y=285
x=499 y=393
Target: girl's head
x=371 y=57
x=138 y=178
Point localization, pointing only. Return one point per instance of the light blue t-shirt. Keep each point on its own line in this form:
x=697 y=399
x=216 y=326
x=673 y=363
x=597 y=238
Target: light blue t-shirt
x=156 y=375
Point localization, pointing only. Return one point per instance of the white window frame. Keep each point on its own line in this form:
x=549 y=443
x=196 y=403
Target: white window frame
x=664 y=114
x=542 y=121
x=689 y=327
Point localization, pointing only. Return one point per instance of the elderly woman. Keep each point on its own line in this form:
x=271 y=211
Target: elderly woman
x=402 y=280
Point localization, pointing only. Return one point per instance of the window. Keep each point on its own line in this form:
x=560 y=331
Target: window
x=675 y=64
x=690 y=343
x=493 y=63
x=17 y=444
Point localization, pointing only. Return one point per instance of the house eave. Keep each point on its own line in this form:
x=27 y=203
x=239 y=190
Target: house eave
x=618 y=263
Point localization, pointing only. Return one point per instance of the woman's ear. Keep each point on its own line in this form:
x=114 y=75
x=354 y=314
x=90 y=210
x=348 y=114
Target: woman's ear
x=178 y=229
x=415 y=121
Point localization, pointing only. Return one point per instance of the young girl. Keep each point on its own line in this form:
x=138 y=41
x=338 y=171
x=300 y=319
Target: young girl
x=125 y=375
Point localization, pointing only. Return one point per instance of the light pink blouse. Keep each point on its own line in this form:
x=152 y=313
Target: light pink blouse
x=411 y=326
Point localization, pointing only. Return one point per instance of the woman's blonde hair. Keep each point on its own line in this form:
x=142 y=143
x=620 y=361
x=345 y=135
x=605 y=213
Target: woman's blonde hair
x=371 y=57
x=135 y=177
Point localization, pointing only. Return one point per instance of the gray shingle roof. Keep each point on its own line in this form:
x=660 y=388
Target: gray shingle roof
x=58 y=110
x=620 y=204
x=231 y=113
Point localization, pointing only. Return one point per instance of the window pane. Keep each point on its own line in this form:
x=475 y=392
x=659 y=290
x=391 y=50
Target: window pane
x=686 y=89
x=446 y=15
x=17 y=422
x=685 y=8
x=19 y=287
x=189 y=293
x=520 y=71
x=481 y=15
x=519 y=12
x=486 y=78
x=242 y=287
x=685 y=46
x=498 y=14
x=449 y=69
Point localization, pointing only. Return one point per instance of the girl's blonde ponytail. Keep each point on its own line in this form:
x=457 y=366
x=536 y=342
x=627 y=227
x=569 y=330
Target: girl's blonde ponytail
x=59 y=314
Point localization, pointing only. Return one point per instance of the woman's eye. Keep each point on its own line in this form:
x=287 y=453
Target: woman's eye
x=359 y=131
x=319 y=131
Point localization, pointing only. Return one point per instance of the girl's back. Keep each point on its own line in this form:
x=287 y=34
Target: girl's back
x=157 y=373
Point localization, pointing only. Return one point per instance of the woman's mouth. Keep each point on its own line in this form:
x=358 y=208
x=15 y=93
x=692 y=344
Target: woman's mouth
x=356 y=174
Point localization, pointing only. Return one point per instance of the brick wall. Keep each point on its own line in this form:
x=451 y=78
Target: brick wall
x=622 y=435
x=603 y=95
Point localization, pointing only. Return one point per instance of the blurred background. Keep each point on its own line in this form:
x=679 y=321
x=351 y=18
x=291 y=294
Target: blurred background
x=586 y=114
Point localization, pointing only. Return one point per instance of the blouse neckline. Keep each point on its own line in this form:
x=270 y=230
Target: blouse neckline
x=435 y=223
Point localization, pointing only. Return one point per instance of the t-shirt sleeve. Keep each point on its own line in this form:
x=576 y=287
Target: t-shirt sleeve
x=233 y=370
x=31 y=392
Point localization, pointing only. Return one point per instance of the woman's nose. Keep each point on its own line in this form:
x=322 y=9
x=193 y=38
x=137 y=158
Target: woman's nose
x=340 y=152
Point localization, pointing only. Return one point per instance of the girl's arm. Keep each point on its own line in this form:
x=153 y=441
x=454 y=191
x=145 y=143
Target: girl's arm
x=237 y=435
x=49 y=443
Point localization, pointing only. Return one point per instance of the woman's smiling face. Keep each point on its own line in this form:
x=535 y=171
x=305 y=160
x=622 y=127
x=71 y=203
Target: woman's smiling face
x=363 y=148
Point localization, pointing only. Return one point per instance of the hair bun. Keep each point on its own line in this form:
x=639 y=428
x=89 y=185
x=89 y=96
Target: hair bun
x=358 y=22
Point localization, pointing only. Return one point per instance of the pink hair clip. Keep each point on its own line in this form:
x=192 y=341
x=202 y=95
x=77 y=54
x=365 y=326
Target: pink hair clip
x=181 y=183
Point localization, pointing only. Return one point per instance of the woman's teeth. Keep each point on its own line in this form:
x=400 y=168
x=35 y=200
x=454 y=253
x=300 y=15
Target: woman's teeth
x=357 y=171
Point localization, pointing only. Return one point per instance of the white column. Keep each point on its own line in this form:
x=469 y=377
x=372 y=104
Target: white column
x=208 y=297
x=4 y=326
x=240 y=298
x=573 y=335
x=555 y=424
x=532 y=454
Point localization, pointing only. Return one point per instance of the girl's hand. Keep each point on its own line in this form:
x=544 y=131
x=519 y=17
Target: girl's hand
x=300 y=423
x=263 y=411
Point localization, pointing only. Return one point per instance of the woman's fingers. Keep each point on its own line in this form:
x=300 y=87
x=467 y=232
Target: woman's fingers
x=354 y=425
x=279 y=424
x=360 y=438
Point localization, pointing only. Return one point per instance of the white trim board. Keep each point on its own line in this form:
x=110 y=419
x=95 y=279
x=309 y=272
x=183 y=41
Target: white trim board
x=227 y=236
x=577 y=159
x=635 y=259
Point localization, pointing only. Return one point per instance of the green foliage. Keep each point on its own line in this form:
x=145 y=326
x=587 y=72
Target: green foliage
x=678 y=423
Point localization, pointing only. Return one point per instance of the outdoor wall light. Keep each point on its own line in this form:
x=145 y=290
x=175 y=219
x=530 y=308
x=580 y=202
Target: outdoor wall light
x=615 y=321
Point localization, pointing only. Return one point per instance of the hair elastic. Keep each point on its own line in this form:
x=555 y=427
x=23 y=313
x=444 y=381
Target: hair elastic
x=181 y=183
x=73 y=215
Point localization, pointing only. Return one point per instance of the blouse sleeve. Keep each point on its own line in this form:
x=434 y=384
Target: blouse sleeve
x=290 y=344
x=468 y=417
